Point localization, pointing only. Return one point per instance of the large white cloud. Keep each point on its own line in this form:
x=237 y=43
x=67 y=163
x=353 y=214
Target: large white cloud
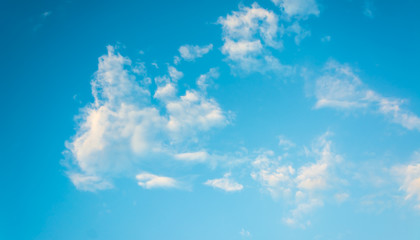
x=341 y=88
x=124 y=126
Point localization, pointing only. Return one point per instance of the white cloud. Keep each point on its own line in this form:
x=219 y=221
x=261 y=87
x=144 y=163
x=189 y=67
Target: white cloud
x=165 y=92
x=298 y=8
x=89 y=183
x=339 y=87
x=200 y=156
x=299 y=31
x=286 y=143
x=277 y=179
x=190 y=52
x=341 y=197
x=226 y=183
x=149 y=181
x=409 y=177
x=175 y=74
x=248 y=34
x=206 y=79
x=123 y=126
x=303 y=208
x=191 y=112
x=303 y=185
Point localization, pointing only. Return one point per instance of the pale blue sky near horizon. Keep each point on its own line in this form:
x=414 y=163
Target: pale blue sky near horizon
x=210 y=119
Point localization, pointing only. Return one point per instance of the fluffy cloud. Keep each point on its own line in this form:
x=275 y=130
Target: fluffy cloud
x=123 y=125
x=298 y=8
x=190 y=52
x=276 y=178
x=339 y=87
x=303 y=185
x=225 y=183
x=148 y=181
x=247 y=35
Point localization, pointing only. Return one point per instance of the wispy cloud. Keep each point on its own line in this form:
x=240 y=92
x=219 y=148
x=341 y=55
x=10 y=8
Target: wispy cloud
x=41 y=20
x=341 y=88
x=409 y=178
x=298 y=8
x=226 y=183
x=245 y=233
x=285 y=143
x=368 y=9
x=326 y=39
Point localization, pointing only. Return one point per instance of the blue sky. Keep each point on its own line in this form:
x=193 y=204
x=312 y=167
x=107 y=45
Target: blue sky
x=265 y=119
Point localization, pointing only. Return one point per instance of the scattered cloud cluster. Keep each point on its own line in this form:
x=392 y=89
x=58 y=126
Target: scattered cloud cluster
x=136 y=117
x=303 y=185
x=341 y=88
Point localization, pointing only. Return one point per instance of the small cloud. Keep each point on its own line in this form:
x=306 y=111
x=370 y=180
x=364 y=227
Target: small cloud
x=368 y=9
x=326 y=39
x=177 y=59
x=245 y=233
x=41 y=19
x=155 y=65
x=149 y=181
x=175 y=74
x=200 y=156
x=89 y=182
x=299 y=31
x=285 y=143
x=298 y=8
x=225 y=184
x=190 y=52
x=206 y=79
x=46 y=14
x=341 y=197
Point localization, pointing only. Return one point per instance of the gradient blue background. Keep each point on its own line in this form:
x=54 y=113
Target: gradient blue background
x=46 y=68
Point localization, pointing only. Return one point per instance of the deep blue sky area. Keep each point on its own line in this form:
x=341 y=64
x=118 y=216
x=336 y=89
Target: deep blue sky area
x=310 y=132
